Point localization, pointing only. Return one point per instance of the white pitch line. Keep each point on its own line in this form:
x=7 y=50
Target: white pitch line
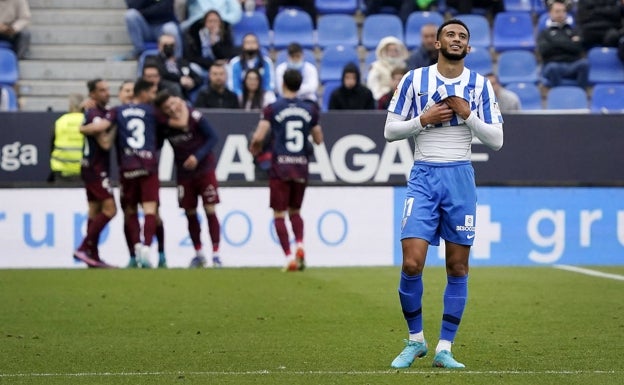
x=303 y=373
x=593 y=273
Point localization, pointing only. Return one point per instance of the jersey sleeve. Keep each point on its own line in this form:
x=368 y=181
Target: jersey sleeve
x=402 y=100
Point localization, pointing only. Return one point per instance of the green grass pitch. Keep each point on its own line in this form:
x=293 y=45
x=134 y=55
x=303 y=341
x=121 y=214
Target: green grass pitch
x=536 y=325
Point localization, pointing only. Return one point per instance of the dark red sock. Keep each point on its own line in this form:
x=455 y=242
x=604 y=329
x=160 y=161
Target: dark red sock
x=149 y=229
x=214 y=229
x=282 y=234
x=132 y=230
x=297 y=225
x=84 y=244
x=93 y=233
x=160 y=236
x=194 y=230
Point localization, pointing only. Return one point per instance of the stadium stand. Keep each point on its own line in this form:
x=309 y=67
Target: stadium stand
x=413 y=24
x=518 y=5
x=9 y=93
x=293 y=25
x=308 y=55
x=334 y=59
x=480 y=31
x=605 y=66
x=255 y=22
x=376 y=27
x=337 y=29
x=566 y=98
x=528 y=93
x=607 y=98
x=479 y=59
x=513 y=30
x=328 y=88
x=517 y=66
x=9 y=69
x=325 y=7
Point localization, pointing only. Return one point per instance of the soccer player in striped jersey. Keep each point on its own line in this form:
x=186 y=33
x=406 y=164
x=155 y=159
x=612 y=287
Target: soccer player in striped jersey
x=288 y=122
x=442 y=107
x=95 y=172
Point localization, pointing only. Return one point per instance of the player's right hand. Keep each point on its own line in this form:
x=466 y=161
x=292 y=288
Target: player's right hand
x=438 y=113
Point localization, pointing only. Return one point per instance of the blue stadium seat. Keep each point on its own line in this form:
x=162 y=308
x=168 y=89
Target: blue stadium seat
x=336 y=29
x=517 y=66
x=539 y=7
x=513 y=30
x=607 y=98
x=480 y=60
x=414 y=23
x=256 y=23
x=5 y=44
x=293 y=25
x=325 y=7
x=9 y=69
x=479 y=27
x=566 y=98
x=328 y=88
x=605 y=66
x=308 y=55
x=11 y=96
x=142 y=57
x=378 y=26
x=334 y=59
x=528 y=93
x=518 y=5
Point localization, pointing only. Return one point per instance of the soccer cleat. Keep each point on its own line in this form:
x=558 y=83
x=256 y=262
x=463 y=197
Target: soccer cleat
x=198 y=262
x=300 y=258
x=83 y=256
x=143 y=257
x=216 y=262
x=445 y=359
x=132 y=264
x=162 y=261
x=411 y=351
x=291 y=264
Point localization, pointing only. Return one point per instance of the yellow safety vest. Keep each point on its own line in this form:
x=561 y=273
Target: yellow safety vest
x=67 y=152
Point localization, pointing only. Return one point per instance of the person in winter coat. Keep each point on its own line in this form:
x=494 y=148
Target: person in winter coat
x=352 y=94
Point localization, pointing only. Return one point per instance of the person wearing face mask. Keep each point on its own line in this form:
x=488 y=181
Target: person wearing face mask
x=251 y=57
x=176 y=73
x=308 y=70
x=391 y=54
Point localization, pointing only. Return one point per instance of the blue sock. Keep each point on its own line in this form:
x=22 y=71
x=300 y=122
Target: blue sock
x=454 y=304
x=410 y=294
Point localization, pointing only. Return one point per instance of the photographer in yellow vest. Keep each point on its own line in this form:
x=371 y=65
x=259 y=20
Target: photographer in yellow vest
x=67 y=143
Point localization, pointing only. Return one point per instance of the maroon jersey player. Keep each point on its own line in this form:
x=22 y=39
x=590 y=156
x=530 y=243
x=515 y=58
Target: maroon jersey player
x=95 y=172
x=289 y=121
x=192 y=139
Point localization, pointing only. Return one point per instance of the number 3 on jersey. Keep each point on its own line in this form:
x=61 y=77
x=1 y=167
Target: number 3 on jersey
x=137 y=128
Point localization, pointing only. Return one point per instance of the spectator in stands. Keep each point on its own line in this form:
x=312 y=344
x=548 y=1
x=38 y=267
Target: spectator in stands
x=146 y=20
x=599 y=21
x=426 y=54
x=507 y=100
x=67 y=142
x=402 y=7
x=464 y=7
x=14 y=21
x=250 y=57
x=254 y=96
x=208 y=41
x=352 y=94
x=561 y=49
x=397 y=75
x=272 y=7
x=230 y=10
x=309 y=72
x=391 y=53
x=176 y=72
x=216 y=94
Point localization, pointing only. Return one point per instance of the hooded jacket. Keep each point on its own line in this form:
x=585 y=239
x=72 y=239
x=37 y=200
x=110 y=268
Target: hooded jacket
x=356 y=98
x=379 y=79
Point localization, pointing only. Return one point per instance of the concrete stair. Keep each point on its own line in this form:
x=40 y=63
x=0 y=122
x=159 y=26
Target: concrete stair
x=73 y=41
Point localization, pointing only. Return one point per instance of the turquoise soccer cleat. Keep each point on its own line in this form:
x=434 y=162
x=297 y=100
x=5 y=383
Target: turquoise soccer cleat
x=411 y=351
x=445 y=359
x=132 y=264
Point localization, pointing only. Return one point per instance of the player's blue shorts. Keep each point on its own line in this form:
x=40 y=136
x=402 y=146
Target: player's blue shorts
x=441 y=201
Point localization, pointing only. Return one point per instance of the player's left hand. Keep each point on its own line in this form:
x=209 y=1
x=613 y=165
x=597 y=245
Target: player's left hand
x=190 y=163
x=459 y=106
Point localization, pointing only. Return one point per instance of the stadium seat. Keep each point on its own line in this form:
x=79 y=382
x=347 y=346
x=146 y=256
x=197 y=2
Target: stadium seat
x=518 y=5
x=414 y=23
x=528 y=93
x=142 y=57
x=334 y=59
x=9 y=92
x=607 y=98
x=517 y=66
x=378 y=26
x=325 y=7
x=5 y=44
x=293 y=25
x=479 y=27
x=308 y=55
x=256 y=23
x=605 y=66
x=566 y=98
x=480 y=60
x=9 y=69
x=336 y=29
x=328 y=88
x=513 y=30
x=539 y=7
